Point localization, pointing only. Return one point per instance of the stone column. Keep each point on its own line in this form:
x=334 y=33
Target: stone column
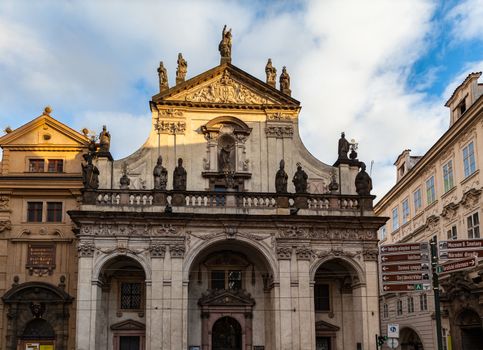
x=86 y=303
x=285 y=331
x=305 y=301
x=372 y=301
x=155 y=335
x=177 y=337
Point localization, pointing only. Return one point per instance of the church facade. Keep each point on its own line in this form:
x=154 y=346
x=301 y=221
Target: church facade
x=222 y=231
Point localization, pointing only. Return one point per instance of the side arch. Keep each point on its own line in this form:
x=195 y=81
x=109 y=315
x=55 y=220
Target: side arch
x=349 y=261
x=140 y=259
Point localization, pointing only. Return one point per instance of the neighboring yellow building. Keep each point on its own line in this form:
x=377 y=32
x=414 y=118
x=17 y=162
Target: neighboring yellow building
x=40 y=180
x=439 y=194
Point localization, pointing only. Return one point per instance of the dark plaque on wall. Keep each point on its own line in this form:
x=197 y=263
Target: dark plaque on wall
x=259 y=347
x=41 y=258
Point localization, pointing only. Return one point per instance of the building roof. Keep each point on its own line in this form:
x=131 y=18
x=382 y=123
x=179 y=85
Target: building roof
x=471 y=76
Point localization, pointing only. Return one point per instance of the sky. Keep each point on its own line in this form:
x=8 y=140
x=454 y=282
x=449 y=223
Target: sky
x=380 y=70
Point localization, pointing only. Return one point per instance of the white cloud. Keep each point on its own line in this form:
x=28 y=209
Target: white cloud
x=466 y=19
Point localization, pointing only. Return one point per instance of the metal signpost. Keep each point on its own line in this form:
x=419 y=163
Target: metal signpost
x=405 y=267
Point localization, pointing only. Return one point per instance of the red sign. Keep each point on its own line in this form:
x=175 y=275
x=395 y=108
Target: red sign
x=403 y=248
x=405 y=268
x=457 y=265
x=410 y=277
x=461 y=244
x=460 y=254
x=405 y=257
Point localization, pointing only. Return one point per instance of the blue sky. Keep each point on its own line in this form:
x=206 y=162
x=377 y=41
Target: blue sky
x=379 y=70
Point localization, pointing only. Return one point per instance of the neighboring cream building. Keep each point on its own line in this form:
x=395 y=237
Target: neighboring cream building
x=40 y=180
x=225 y=262
x=439 y=194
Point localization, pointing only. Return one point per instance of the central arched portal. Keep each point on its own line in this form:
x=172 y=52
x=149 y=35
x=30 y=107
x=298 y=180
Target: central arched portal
x=226 y=334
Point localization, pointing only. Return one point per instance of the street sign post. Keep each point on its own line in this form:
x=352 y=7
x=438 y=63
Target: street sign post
x=393 y=330
x=457 y=265
x=405 y=267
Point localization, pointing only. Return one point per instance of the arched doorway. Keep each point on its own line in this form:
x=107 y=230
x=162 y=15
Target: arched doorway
x=38 y=315
x=122 y=303
x=230 y=278
x=337 y=296
x=410 y=340
x=226 y=334
x=469 y=323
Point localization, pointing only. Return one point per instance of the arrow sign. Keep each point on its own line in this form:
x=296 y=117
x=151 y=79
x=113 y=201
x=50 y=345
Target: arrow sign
x=457 y=265
x=405 y=267
x=406 y=278
x=402 y=287
x=405 y=257
x=403 y=248
x=460 y=254
x=461 y=244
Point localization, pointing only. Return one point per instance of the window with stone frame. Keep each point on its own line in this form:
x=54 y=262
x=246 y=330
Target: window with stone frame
x=423 y=302
x=227 y=270
x=55 y=166
x=410 y=305
x=473 y=222
x=34 y=211
x=399 y=307
x=469 y=162
x=385 y=312
x=452 y=233
x=226 y=279
x=448 y=181
x=130 y=295
x=430 y=190
x=418 y=203
x=405 y=211
x=322 y=297
x=395 y=219
x=54 y=211
x=36 y=165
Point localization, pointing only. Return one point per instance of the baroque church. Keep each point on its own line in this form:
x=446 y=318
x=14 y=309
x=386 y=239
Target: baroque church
x=222 y=232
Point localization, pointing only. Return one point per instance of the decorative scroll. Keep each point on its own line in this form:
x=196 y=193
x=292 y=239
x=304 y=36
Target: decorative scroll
x=226 y=90
x=5 y=225
x=41 y=259
x=279 y=131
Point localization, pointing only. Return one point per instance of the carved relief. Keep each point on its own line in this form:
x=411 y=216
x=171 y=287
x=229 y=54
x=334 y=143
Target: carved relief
x=279 y=131
x=86 y=249
x=226 y=90
x=170 y=113
x=177 y=251
x=284 y=253
x=157 y=250
x=279 y=117
x=432 y=222
x=470 y=198
x=370 y=254
x=5 y=225
x=293 y=232
x=166 y=230
x=4 y=203
x=449 y=211
x=467 y=136
x=304 y=253
x=170 y=127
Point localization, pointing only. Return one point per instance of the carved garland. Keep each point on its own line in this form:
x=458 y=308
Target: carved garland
x=279 y=132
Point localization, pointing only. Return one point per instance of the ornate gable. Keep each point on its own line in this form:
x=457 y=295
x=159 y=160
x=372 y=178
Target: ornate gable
x=226 y=84
x=128 y=325
x=227 y=298
x=322 y=326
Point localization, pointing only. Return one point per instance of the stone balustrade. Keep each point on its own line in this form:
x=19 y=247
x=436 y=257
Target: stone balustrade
x=244 y=200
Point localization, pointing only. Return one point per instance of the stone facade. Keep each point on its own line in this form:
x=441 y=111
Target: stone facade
x=437 y=195
x=40 y=180
x=228 y=262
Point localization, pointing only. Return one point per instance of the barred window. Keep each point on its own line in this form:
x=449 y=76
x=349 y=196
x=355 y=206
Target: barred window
x=131 y=296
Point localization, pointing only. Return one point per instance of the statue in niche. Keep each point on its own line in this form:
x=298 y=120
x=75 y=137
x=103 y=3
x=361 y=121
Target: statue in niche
x=226 y=157
x=300 y=180
x=225 y=45
x=160 y=175
x=363 y=181
x=124 y=181
x=344 y=146
x=285 y=81
x=179 y=177
x=271 y=72
x=281 y=179
x=104 y=140
x=163 y=77
x=182 y=69
x=90 y=173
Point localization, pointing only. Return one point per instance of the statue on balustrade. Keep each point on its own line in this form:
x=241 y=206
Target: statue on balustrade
x=163 y=77
x=300 y=180
x=363 y=181
x=285 y=82
x=90 y=173
x=271 y=72
x=160 y=175
x=281 y=179
x=124 y=181
x=181 y=70
x=179 y=177
x=344 y=147
x=104 y=140
x=225 y=45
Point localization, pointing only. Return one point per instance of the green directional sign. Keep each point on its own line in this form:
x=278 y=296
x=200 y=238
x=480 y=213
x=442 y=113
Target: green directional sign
x=439 y=269
x=418 y=286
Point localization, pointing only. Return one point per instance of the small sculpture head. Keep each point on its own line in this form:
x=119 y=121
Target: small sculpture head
x=363 y=166
x=180 y=162
x=342 y=135
x=160 y=160
x=282 y=164
x=104 y=128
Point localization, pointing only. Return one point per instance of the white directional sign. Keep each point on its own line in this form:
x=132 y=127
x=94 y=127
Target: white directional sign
x=393 y=330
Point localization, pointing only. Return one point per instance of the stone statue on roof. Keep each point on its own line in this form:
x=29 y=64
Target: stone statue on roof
x=271 y=72
x=225 y=46
x=163 y=77
x=363 y=181
x=182 y=69
x=281 y=179
x=104 y=140
x=179 y=177
x=344 y=147
x=300 y=180
x=285 y=82
x=160 y=175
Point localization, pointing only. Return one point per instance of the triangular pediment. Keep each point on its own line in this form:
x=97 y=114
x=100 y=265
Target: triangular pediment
x=323 y=326
x=229 y=85
x=227 y=298
x=128 y=325
x=44 y=131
